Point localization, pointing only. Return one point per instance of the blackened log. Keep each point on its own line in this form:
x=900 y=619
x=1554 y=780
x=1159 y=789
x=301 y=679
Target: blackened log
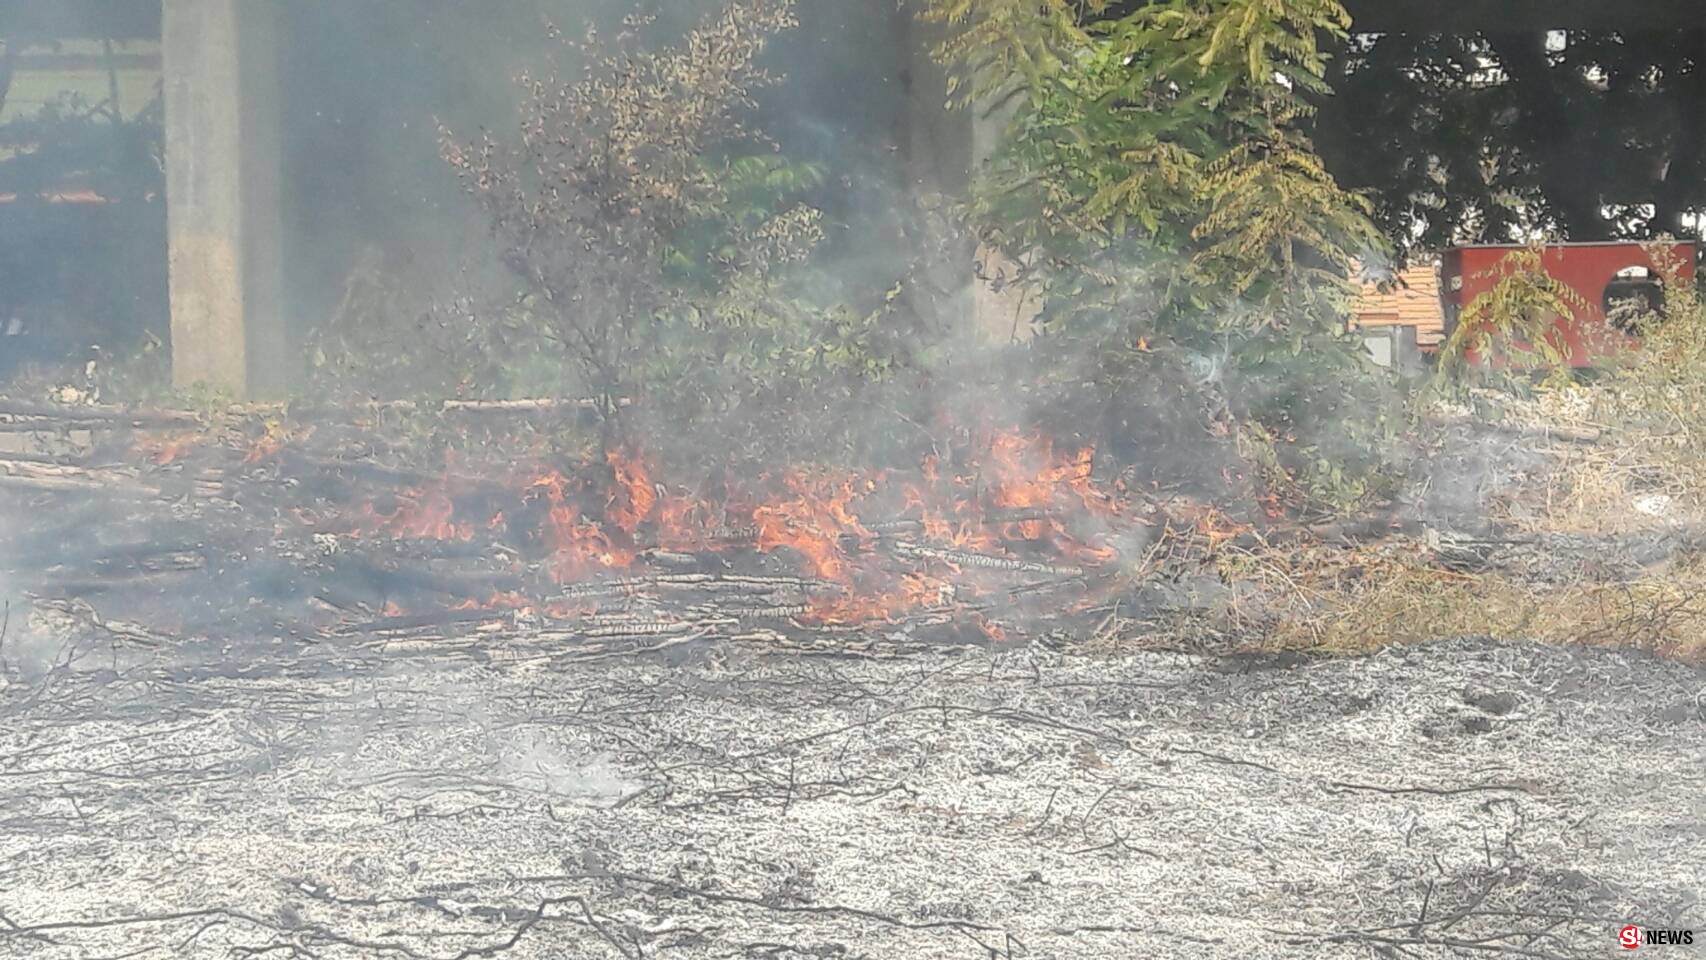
x=962 y=558
x=90 y=414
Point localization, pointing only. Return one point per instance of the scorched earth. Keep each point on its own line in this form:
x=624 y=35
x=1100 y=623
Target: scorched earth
x=501 y=799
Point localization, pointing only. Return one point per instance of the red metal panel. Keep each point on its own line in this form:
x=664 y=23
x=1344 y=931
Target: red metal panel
x=1586 y=268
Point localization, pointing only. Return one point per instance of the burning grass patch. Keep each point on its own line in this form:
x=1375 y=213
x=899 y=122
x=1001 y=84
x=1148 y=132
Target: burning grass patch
x=307 y=524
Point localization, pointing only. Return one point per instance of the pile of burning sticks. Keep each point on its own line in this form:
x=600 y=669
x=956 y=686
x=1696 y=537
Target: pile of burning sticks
x=156 y=527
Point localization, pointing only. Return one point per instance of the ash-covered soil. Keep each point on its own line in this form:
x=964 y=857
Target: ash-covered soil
x=1464 y=799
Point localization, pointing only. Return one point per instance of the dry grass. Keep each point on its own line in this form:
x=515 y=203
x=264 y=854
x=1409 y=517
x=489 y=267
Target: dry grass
x=1621 y=488
x=1643 y=476
x=1360 y=601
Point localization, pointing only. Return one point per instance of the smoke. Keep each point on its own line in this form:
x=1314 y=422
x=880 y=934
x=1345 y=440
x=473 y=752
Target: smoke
x=365 y=85
x=362 y=87
x=29 y=646
x=536 y=763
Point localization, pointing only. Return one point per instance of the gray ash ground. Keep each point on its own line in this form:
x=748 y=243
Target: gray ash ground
x=1463 y=799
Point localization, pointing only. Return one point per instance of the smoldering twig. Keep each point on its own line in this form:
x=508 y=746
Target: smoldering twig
x=537 y=405
x=782 y=612
x=119 y=630
x=962 y=558
x=694 y=582
x=126 y=488
x=97 y=413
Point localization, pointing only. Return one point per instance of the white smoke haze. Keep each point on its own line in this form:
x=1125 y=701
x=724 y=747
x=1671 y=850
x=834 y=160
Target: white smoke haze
x=357 y=728
x=362 y=164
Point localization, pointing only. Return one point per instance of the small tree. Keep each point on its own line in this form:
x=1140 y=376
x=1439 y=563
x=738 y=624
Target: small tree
x=1168 y=138
x=1160 y=163
x=1516 y=321
x=624 y=201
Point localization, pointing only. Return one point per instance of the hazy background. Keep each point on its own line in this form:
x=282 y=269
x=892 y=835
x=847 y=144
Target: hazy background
x=364 y=85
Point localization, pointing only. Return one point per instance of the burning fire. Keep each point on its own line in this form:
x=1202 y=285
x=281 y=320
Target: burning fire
x=817 y=522
x=579 y=547
x=1017 y=502
x=1218 y=528
x=1029 y=495
x=633 y=497
x=166 y=450
x=425 y=515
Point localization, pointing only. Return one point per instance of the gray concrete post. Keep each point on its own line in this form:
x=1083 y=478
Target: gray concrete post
x=222 y=196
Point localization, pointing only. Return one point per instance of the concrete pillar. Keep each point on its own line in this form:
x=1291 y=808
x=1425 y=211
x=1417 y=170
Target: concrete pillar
x=945 y=151
x=222 y=196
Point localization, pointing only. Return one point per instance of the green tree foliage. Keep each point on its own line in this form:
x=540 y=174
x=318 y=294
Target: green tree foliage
x=1515 y=322
x=1159 y=162
x=1488 y=137
x=1174 y=129
x=672 y=252
x=1660 y=392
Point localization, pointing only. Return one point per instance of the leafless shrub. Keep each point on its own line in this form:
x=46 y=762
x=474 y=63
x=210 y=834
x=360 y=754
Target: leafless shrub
x=613 y=201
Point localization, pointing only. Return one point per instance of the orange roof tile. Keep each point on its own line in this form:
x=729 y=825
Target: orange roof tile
x=1409 y=298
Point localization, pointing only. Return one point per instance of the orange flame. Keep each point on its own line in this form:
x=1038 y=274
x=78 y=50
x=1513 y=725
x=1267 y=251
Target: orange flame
x=814 y=522
x=634 y=496
x=579 y=547
x=914 y=591
x=1218 y=528
x=164 y=451
x=1020 y=498
x=422 y=515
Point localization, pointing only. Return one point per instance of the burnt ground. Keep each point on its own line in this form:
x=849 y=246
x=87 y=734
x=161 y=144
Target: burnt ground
x=499 y=799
